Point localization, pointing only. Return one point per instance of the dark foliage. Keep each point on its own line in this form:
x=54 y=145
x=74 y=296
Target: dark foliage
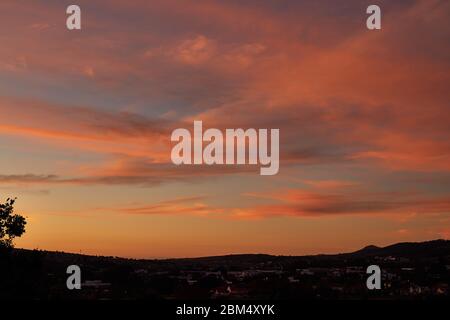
x=11 y=225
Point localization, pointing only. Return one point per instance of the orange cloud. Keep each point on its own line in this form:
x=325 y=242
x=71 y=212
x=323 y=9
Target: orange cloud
x=186 y=205
x=295 y=202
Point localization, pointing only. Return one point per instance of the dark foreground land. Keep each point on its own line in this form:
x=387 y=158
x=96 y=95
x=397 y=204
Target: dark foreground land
x=409 y=271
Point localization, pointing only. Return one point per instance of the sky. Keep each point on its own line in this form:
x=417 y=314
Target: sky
x=87 y=117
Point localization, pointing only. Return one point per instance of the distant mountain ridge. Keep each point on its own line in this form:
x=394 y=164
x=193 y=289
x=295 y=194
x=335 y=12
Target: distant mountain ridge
x=425 y=249
x=369 y=248
x=407 y=249
x=399 y=249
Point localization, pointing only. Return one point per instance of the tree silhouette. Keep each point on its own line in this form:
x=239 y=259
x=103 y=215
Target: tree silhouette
x=11 y=225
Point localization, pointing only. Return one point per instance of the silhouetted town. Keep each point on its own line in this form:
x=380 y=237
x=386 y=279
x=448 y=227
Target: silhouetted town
x=409 y=271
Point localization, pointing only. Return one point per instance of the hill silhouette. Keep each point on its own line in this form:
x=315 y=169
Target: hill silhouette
x=425 y=249
x=407 y=249
x=420 y=269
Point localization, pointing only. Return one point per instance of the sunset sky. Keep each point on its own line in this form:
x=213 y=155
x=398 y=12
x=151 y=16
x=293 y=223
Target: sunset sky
x=87 y=116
